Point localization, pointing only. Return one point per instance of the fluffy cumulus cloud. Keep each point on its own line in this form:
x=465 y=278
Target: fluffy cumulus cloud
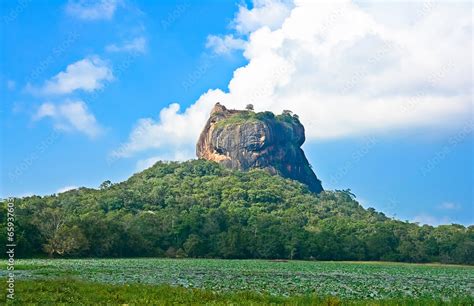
x=173 y=129
x=268 y=13
x=88 y=74
x=70 y=116
x=136 y=45
x=92 y=9
x=225 y=44
x=347 y=69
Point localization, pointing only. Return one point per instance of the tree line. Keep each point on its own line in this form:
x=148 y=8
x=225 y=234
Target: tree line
x=199 y=209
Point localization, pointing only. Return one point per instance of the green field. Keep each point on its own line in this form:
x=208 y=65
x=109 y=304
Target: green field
x=345 y=280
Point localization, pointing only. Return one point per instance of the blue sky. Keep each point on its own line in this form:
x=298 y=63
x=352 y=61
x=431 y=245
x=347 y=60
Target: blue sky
x=97 y=90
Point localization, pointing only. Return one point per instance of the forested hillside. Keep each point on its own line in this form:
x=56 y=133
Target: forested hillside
x=199 y=209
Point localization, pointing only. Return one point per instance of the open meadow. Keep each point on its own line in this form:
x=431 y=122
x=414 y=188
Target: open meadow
x=240 y=282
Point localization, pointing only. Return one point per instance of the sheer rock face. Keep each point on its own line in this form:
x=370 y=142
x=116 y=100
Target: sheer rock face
x=243 y=140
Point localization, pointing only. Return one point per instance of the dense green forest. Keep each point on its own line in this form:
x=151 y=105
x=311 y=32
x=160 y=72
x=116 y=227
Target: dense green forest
x=199 y=209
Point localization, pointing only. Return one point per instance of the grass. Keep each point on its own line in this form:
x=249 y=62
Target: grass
x=72 y=291
x=191 y=281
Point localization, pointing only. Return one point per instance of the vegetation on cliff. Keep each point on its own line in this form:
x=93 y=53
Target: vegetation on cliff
x=201 y=209
x=248 y=116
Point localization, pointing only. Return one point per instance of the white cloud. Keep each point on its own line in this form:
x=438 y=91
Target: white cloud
x=70 y=116
x=92 y=9
x=267 y=13
x=224 y=45
x=343 y=68
x=45 y=110
x=143 y=164
x=87 y=74
x=137 y=45
x=173 y=130
x=449 y=206
x=432 y=220
x=66 y=188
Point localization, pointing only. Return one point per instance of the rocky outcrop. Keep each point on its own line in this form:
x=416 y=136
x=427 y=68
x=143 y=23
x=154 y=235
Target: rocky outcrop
x=243 y=139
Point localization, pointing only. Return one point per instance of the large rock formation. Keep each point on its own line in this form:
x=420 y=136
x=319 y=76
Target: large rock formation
x=244 y=139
